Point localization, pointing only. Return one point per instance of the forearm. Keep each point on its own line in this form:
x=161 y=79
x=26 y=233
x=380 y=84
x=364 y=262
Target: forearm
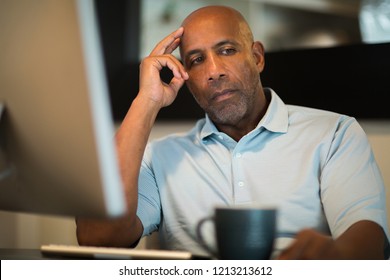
x=131 y=140
x=122 y=232
x=363 y=240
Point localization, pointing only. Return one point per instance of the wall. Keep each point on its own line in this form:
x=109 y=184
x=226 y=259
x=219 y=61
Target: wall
x=379 y=137
x=30 y=231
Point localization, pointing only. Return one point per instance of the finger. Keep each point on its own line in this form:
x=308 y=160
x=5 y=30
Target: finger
x=157 y=63
x=177 y=69
x=297 y=248
x=175 y=84
x=310 y=245
x=320 y=249
x=169 y=43
x=292 y=252
x=174 y=65
x=173 y=46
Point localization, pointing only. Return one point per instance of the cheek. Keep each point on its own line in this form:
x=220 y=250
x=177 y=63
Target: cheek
x=191 y=85
x=247 y=74
x=252 y=72
x=195 y=79
x=196 y=83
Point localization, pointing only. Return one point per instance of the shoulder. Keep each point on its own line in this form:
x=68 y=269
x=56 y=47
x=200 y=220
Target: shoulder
x=178 y=140
x=302 y=119
x=173 y=146
x=326 y=125
x=318 y=117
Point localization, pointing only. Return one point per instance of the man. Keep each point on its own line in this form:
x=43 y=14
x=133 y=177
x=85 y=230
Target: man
x=251 y=147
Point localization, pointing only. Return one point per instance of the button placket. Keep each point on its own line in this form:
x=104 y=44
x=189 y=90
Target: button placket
x=241 y=192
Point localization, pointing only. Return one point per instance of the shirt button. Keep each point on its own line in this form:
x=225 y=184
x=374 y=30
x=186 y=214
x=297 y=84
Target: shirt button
x=220 y=137
x=238 y=155
x=241 y=184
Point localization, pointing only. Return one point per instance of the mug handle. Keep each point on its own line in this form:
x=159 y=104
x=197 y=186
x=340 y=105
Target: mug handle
x=200 y=237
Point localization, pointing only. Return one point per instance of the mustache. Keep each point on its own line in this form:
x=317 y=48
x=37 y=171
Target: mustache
x=221 y=92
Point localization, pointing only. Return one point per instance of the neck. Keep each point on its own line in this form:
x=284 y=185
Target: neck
x=247 y=123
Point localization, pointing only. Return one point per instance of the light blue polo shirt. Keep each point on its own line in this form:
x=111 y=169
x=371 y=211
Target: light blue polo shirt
x=316 y=166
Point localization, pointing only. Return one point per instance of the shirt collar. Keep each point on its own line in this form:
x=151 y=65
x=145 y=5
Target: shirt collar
x=208 y=128
x=274 y=120
x=276 y=116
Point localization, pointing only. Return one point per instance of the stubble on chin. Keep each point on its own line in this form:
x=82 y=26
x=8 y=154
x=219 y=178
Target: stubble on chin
x=229 y=114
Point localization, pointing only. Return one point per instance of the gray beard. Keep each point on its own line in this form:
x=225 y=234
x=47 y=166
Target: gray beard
x=230 y=114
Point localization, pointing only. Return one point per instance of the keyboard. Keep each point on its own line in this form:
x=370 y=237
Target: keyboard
x=92 y=252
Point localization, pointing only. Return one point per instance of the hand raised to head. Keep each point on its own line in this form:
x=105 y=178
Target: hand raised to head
x=151 y=85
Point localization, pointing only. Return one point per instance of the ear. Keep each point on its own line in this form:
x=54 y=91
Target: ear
x=258 y=54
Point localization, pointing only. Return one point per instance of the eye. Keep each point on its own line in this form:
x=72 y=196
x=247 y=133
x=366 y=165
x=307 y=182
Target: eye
x=228 y=51
x=196 y=60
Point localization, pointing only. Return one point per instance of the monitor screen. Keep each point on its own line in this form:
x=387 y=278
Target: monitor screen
x=57 y=152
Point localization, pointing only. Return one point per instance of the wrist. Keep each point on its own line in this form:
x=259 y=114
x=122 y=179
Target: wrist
x=145 y=109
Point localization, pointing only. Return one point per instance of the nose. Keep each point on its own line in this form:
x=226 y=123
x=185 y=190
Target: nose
x=215 y=68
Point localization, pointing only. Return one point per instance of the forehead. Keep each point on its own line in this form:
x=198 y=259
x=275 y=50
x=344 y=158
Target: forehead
x=202 y=32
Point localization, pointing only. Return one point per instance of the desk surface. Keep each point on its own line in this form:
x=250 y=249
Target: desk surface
x=36 y=254
x=26 y=254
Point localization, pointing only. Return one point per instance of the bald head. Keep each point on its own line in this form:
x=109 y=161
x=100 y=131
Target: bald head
x=220 y=13
x=207 y=19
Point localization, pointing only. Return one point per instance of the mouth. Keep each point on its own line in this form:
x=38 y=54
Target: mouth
x=222 y=95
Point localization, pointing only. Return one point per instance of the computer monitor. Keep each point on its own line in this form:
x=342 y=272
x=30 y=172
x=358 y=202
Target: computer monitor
x=57 y=152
